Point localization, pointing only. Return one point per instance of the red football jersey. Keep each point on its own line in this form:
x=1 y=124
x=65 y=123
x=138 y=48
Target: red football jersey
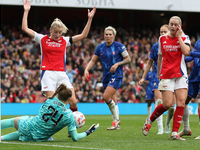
x=173 y=63
x=53 y=53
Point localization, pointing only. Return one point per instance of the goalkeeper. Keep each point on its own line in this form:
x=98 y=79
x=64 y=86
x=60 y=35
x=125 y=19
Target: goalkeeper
x=53 y=116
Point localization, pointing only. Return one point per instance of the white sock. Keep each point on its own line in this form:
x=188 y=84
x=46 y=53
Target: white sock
x=160 y=118
x=2 y=138
x=170 y=114
x=186 y=118
x=117 y=111
x=174 y=133
x=111 y=106
x=160 y=122
x=149 y=111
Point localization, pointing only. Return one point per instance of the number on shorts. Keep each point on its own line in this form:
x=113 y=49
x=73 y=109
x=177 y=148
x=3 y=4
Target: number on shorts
x=53 y=115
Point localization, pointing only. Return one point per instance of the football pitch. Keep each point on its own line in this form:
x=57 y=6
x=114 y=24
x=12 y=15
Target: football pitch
x=129 y=137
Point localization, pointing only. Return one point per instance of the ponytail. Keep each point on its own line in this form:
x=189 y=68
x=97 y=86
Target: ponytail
x=63 y=92
x=57 y=22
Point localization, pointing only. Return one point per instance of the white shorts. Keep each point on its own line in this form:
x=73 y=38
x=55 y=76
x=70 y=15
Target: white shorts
x=50 y=80
x=173 y=84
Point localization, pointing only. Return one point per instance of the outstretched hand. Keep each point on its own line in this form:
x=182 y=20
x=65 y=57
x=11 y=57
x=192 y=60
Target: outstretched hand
x=92 y=129
x=27 y=5
x=91 y=13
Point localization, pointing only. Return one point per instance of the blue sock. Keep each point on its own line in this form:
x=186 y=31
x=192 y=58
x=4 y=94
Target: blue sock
x=7 y=123
x=14 y=136
x=109 y=102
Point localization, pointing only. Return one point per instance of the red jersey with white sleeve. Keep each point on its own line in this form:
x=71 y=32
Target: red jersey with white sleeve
x=53 y=53
x=173 y=63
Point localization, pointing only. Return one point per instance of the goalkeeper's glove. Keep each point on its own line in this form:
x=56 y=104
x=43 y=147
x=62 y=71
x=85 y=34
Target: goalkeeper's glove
x=92 y=129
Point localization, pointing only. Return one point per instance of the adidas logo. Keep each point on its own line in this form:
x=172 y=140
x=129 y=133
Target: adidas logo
x=164 y=42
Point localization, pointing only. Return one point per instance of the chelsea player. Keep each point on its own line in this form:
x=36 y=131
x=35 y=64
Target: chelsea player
x=149 y=98
x=193 y=87
x=113 y=56
x=53 y=116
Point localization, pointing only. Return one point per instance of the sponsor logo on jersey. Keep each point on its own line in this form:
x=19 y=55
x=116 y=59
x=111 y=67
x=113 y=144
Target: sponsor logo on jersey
x=171 y=48
x=45 y=87
x=53 y=44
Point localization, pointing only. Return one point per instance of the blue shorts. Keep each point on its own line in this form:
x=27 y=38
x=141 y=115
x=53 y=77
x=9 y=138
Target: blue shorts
x=155 y=84
x=114 y=82
x=193 y=89
x=149 y=94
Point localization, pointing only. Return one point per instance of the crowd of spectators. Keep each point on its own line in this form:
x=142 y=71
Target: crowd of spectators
x=21 y=58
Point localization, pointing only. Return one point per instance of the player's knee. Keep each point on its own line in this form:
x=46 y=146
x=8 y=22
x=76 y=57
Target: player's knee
x=167 y=105
x=73 y=102
x=198 y=96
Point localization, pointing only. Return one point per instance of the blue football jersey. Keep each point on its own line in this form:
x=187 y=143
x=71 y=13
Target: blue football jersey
x=110 y=55
x=53 y=116
x=154 y=56
x=149 y=88
x=195 y=73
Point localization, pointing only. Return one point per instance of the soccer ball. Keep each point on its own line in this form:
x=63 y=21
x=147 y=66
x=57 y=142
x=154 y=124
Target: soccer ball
x=79 y=119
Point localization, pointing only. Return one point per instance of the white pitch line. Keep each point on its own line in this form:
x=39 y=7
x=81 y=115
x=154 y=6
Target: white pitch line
x=51 y=145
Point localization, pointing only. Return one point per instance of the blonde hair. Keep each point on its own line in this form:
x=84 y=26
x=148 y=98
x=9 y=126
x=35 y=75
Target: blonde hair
x=165 y=25
x=180 y=22
x=57 y=22
x=110 y=28
x=63 y=92
x=177 y=18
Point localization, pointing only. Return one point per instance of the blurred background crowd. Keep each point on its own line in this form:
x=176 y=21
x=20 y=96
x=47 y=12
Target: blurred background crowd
x=21 y=59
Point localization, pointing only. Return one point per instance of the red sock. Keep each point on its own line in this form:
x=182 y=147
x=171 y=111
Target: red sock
x=178 y=116
x=74 y=109
x=199 y=112
x=159 y=110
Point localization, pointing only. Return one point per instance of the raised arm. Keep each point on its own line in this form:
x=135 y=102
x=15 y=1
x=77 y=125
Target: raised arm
x=87 y=27
x=27 y=7
x=184 y=48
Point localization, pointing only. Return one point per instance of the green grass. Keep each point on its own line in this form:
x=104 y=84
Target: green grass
x=129 y=137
